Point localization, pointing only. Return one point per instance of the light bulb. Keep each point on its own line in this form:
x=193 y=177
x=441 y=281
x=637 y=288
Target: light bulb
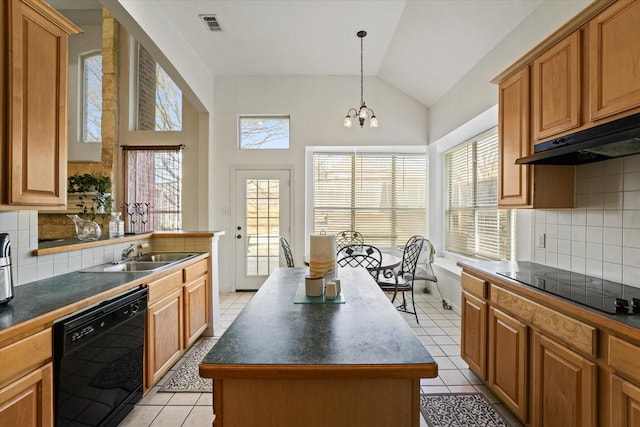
x=347 y=122
x=363 y=112
x=374 y=122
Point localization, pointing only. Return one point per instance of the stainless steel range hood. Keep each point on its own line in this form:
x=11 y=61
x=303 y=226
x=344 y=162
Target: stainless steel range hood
x=614 y=139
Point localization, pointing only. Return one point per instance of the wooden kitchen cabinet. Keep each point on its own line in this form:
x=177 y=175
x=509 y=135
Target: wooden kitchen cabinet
x=177 y=316
x=513 y=140
x=556 y=88
x=508 y=359
x=526 y=186
x=164 y=336
x=564 y=386
x=26 y=381
x=195 y=302
x=473 y=348
x=614 y=50
x=625 y=403
x=33 y=121
x=28 y=402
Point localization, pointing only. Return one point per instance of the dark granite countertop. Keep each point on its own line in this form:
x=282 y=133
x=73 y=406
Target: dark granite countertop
x=491 y=268
x=272 y=330
x=55 y=297
x=39 y=298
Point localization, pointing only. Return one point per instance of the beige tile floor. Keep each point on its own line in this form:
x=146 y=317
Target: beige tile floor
x=439 y=331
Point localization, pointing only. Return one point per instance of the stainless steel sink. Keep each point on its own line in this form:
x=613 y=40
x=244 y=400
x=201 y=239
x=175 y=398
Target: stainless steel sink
x=147 y=262
x=125 y=267
x=165 y=256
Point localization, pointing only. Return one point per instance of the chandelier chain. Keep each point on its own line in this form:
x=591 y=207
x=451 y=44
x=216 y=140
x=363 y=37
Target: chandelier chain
x=361 y=72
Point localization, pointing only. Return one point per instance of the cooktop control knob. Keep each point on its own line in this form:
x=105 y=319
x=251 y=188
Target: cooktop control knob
x=635 y=305
x=622 y=305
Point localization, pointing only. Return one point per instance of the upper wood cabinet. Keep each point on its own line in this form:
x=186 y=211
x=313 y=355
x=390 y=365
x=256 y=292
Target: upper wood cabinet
x=513 y=139
x=556 y=85
x=521 y=185
x=34 y=120
x=614 y=51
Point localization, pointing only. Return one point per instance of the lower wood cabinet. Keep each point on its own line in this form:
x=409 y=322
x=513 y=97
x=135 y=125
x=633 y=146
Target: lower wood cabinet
x=508 y=359
x=176 y=317
x=625 y=403
x=28 y=402
x=195 y=310
x=26 y=381
x=473 y=347
x=564 y=386
x=164 y=335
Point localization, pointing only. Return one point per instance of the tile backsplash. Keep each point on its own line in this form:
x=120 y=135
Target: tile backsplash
x=22 y=227
x=601 y=235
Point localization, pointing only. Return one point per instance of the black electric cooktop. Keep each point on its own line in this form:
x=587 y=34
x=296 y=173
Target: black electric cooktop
x=600 y=294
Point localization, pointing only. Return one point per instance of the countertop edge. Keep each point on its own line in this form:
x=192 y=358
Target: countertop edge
x=43 y=321
x=319 y=371
x=590 y=316
x=104 y=242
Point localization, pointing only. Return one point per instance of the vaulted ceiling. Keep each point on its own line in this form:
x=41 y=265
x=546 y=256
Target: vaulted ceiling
x=421 y=47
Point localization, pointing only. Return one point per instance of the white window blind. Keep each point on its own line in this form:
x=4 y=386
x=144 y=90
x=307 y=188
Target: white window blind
x=475 y=226
x=381 y=195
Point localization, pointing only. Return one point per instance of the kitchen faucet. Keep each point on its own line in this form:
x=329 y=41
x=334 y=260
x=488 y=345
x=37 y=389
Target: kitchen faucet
x=126 y=252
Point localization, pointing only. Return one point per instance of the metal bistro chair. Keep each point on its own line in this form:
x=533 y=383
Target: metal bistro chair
x=359 y=255
x=345 y=238
x=403 y=281
x=427 y=274
x=286 y=249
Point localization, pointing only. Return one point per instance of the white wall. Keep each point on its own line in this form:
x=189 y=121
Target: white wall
x=475 y=93
x=317 y=106
x=469 y=108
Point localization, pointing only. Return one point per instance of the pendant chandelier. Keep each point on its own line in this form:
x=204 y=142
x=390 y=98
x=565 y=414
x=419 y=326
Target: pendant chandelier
x=363 y=112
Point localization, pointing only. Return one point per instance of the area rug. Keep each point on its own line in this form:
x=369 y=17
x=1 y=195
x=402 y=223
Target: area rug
x=460 y=410
x=186 y=378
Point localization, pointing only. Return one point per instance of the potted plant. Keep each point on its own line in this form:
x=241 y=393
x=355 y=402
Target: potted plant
x=94 y=189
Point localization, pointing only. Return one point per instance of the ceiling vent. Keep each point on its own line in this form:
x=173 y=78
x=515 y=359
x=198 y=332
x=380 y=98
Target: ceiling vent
x=211 y=22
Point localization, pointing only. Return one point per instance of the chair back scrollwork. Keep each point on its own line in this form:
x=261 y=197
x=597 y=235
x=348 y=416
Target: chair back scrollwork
x=360 y=255
x=286 y=249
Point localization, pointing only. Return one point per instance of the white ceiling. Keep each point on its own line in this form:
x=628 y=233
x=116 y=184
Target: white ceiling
x=421 y=47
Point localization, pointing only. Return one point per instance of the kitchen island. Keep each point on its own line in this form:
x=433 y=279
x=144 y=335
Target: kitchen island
x=342 y=365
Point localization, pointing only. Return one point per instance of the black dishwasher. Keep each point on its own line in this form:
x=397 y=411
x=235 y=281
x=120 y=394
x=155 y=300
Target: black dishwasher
x=98 y=356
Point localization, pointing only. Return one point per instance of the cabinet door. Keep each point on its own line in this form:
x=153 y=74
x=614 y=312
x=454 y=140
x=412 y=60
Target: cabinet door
x=28 y=402
x=474 y=334
x=614 y=51
x=195 y=310
x=556 y=89
x=514 y=139
x=564 y=386
x=37 y=93
x=625 y=403
x=164 y=335
x=508 y=352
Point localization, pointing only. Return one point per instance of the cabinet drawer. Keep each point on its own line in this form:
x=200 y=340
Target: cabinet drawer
x=25 y=355
x=474 y=285
x=196 y=270
x=623 y=358
x=165 y=286
x=564 y=329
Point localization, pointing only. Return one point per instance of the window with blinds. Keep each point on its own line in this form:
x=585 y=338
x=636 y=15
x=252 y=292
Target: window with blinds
x=475 y=227
x=381 y=195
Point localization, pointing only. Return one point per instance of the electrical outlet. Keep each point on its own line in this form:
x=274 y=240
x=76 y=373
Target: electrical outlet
x=540 y=241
